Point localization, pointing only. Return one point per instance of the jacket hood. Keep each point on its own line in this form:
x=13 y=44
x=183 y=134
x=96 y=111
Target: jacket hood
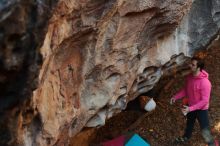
x=203 y=74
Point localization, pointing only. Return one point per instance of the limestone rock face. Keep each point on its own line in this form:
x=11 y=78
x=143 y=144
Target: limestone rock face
x=97 y=56
x=23 y=24
x=204 y=23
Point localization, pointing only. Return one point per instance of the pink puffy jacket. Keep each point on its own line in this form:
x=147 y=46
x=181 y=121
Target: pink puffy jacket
x=197 y=89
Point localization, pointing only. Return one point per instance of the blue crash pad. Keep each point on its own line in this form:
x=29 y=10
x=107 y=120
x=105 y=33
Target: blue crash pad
x=136 y=140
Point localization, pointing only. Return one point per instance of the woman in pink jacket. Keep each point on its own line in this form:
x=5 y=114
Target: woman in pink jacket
x=197 y=88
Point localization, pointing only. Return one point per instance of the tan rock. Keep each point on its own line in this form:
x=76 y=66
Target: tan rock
x=98 y=58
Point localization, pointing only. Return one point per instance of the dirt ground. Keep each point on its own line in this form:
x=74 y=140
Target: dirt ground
x=159 y=128
x=166 y=122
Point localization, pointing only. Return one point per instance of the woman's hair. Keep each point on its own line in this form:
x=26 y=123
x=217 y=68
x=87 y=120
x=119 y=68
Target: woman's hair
x=200 y=62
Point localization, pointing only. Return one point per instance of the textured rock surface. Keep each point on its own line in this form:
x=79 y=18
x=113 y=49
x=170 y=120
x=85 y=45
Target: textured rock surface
x=97 y=56
x=23 y=24
x=204 y=23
